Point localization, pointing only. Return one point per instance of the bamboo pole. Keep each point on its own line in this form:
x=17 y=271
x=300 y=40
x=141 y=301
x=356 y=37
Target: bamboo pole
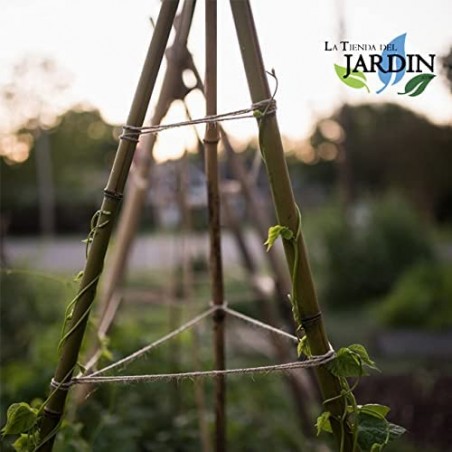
x=54 y=408
x=287 y=214
x=187 y=293
x=258 y=213
x=172 y=88
x=211 y=139
x=261 y=219
x=299 y=385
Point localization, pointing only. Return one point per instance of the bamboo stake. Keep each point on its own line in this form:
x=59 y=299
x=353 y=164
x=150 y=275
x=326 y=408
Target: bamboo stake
x=287 y=213
x=211 y=139
x=258 y=213
x=172 y=88
x=300 y=387
x=261 y=218
x=187 y=286
x=300 y=384
x=54 y=408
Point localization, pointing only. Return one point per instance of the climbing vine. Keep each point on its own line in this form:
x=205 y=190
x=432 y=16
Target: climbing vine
x=22 y=418
x=368 y=424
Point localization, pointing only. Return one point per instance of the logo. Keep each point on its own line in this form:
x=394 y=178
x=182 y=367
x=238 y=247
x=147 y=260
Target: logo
x=392 y=66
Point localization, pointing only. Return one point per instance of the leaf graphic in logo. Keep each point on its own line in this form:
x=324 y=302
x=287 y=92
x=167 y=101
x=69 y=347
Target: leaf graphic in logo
x=356 y=79
x=418 y=84
x=390 y=64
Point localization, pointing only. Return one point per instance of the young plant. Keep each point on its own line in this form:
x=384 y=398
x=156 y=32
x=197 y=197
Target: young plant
x=370 y=429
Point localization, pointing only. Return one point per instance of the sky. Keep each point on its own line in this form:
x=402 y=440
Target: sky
x=101 y=45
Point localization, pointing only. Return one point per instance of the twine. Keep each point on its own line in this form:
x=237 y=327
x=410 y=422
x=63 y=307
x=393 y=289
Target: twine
x=97 y=378
x=155 y=344
x=314 y=361
x=132 y=133
x=259 y=324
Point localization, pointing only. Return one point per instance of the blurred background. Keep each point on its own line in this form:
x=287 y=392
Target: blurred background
x=371 y=173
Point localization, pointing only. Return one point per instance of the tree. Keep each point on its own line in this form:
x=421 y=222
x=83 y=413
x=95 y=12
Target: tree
x=390 y=147
x=26 y=99
x=82 y=145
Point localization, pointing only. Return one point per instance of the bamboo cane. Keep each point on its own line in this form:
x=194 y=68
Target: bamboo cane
x=300 y=385
x=172 y=88
x=287 y=213
x=211 y=139
x=54 y=408
x=258 y=213
x=187 y=289
x=261 y=218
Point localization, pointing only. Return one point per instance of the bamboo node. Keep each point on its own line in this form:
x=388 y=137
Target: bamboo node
x=306 y=321
x=113 y=194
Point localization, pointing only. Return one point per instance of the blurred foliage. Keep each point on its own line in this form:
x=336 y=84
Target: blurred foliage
x=159 y=416
x=362 y=257
x=388 y=147
x=421 y=298
x=31 y=313
x=81 y=147
x=30 y=302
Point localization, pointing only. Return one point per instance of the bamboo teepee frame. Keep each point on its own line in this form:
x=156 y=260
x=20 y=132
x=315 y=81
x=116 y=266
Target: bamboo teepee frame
x=286 y=210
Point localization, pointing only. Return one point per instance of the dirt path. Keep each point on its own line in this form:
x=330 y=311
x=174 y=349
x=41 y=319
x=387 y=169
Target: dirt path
x=149 y=251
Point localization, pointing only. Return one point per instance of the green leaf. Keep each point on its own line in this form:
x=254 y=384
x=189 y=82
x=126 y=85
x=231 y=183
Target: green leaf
x=26 y=442
x=20 y=418
x=374 y=432
x=323 y=423
x=350 y=360
x=346 y=364
x=22 y=444
x=361 y=351
x=374 y=409
x=356 y=79
x=417 y=84
x=274 y=232
x=303 y=347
